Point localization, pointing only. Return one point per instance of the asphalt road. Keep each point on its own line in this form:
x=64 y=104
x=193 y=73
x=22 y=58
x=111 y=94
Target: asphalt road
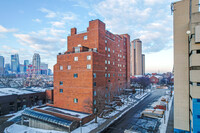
x=130 y=118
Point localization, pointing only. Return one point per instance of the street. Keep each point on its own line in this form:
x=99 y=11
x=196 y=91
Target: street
x=131 y=117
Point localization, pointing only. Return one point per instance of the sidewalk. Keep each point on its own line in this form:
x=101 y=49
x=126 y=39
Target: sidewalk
x=116 y=117
x=170 y=125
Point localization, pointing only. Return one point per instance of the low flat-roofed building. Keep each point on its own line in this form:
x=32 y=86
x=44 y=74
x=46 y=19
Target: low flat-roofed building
x=13 y=99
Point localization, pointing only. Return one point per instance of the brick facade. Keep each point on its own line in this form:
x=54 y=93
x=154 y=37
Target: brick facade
x=109 y=72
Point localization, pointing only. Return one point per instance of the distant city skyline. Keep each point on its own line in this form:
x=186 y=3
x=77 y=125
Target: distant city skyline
x=44 y=26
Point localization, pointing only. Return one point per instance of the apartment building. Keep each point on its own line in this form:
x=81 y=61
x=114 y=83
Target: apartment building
x=186 y=66
x=97 y=62
x=137 y=58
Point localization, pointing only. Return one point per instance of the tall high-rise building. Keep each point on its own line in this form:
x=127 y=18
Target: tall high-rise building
x=143 y=64
x=36 y=63
x=97 y=62
x=137 y=59
x=15 y=63
x=7 y=67
x=44 y=68
x=21 y=68
x=26 y=63
x=1 y=65
x=186 y=66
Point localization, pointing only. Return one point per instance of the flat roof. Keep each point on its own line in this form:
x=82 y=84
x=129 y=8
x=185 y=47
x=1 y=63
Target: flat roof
x=65 y=112
x=20 y=91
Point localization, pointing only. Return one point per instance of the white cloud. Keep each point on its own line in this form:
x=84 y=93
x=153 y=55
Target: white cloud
x=152 y=2
x=50 y=14
x=3 y=29
x=152 y=24
x=58 y=24
x=36 y=20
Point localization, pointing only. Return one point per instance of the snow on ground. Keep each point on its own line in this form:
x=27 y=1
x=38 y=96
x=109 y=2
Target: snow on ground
x=15 y=128
x=140 y=96
x=85 y=128
x=89 y=126
x=163 y=126
x=17 y=114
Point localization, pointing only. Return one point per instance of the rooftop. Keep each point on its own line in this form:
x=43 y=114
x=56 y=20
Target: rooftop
x=20 y=91
x=65 y=112
x=47 y=117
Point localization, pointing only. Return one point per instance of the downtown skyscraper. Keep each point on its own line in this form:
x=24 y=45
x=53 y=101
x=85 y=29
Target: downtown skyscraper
x=1 y=65
x=15 y=63
x=36 y=64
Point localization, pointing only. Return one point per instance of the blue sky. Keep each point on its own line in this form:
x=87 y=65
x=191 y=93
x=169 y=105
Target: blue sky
x=42 y=26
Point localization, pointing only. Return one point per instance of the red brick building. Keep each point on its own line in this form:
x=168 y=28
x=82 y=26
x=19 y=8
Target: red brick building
x=96 y=61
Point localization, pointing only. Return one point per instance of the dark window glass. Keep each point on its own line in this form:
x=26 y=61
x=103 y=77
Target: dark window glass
x=94 y=84
x=198 y=51
x=61 y=90
x=75 y=75
x=198 y=83
x=61 y=82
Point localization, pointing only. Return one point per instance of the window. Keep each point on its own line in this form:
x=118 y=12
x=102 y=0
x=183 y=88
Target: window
x=198 y=116
x=106 y=88
x=113 y=75
x=118 y=59
x=85 y=37
x=69 y=67
x=198 y=83
x=106 y=68
x=124 y=43
x=77 y=49
x=89 y=66
x=109 y=75
x=61 y=82
x=95 y=102
x=105 y=95
x=113 y=51
x=94 y=84
x=89 y=57
x=108 y=62
x=61 y=67
x=95 y=110
x=198 y=100
x=106 y=41
x=118 y=45
x=75 y=75
x=106 y=75
x=108 y=55
x=94 y=93
x=108 y=49
x=198 y=51
x=75 y=100
x=75 y=58
x=61 y=90
x=120 y=50
x=108 y=80
x=105 y=48
x=124 y=57
x=94 y=75
x=113 y=63
x=105 y=61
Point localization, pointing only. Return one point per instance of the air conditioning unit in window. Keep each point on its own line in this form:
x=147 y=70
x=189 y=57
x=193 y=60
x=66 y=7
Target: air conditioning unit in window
x=95 y=49
x=79 y=45
x=197 y=34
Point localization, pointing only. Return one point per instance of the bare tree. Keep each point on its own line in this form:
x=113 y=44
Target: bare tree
x=97 y=105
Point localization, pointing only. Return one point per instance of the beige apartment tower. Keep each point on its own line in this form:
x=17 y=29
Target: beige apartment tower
x=137 y=58
x=186 y=66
